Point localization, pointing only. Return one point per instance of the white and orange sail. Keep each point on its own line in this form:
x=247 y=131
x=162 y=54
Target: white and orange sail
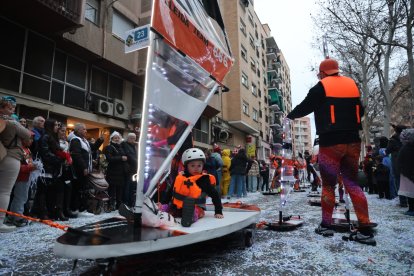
x=188 y=58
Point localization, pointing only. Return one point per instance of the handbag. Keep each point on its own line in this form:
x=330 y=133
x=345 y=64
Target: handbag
x=97 y=181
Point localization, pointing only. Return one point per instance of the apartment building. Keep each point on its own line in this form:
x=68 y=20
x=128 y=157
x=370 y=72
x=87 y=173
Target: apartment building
x=245 y=109
x=65 y=59
x=302 y=136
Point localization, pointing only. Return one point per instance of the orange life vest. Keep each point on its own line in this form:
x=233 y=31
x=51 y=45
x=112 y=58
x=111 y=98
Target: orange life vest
x=187 y=187
x=342 y=108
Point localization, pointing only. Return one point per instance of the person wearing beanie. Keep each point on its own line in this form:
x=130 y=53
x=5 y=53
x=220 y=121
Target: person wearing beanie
x=335 y=102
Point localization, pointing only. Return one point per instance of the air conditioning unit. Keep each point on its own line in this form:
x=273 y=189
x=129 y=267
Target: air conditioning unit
x=223 y=136
x=120 y=109
x=105 y=107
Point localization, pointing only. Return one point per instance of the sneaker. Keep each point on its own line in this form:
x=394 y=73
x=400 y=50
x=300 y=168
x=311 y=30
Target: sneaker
x=324 y=231
x=6 y=228
x=20 y=222
x=409 y=213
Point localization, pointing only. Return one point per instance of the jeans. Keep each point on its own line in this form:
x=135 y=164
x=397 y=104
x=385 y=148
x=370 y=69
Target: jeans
x=236 y=184
x=252 y=183
x=20 y=195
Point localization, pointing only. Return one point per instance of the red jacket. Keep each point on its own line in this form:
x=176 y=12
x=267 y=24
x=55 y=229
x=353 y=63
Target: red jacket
x=26 y=166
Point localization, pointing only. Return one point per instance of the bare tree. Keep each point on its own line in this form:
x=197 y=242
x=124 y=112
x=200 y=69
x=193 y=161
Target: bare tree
x=374 y=23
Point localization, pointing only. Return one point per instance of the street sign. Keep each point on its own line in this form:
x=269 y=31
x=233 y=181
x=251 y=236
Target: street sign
x=137 y=38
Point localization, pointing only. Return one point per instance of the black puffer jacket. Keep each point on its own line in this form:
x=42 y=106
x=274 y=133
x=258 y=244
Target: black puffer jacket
x=48 y=149
x=117 y=168
x=239 y=163
x=131 y=153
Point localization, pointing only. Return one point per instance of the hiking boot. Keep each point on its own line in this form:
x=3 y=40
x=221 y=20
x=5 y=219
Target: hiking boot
x=409 y=213
x=6 y=228
x=361 y=237
x=20 y=222
x=324 y=231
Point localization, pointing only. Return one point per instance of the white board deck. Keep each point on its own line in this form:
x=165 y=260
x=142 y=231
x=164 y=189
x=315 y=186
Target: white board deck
x=124 y=240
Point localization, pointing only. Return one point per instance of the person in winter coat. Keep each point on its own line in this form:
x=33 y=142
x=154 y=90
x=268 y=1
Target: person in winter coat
x=49 y=196
x=117 y=170
x=393 y=148
x=66 y=176
x=81 y=152
x=406 y=168
x=216 y=154
x=225 y=180
x=264 y=173
x=382 y=177
x=22 y=185
x=11 y=134
x=130 y=149
x=238 y=174
x=211 y=165
x=252 y=174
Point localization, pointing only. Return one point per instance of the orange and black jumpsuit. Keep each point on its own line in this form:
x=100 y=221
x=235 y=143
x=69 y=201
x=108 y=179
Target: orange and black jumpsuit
x=335 y=100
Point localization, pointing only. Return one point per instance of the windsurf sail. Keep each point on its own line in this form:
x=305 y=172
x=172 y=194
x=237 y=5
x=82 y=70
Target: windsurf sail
x=188 y=58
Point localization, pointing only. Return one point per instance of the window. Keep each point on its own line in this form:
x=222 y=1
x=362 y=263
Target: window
x=252 y=65
x=251 y=18
x=251 y=41
x=245 y=80
x=106 y=85
x=116 y=87
x=200 y=130
x=99 y=82
x=242 y=27
x=92 y=11
x=243 y=52
x=254 y=89
x=254 y=114
x=120 y=24
x=245 y=108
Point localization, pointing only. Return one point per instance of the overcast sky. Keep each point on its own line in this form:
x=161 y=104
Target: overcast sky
x=291 y=26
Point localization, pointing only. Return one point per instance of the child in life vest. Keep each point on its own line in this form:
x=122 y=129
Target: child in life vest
x=190 y=189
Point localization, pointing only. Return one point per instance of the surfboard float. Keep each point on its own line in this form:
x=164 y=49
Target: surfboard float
x=116 y=238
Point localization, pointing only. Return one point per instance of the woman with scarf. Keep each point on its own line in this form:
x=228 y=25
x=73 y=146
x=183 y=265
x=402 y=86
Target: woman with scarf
x=81 y=152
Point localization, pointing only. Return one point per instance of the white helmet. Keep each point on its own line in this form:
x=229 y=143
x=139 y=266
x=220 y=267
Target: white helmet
x=193 y=154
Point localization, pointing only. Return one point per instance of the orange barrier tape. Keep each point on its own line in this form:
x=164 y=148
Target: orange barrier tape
x=47 y=222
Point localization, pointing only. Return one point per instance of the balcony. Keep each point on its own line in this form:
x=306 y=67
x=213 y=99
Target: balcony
x=46 y=16
x=271 y=53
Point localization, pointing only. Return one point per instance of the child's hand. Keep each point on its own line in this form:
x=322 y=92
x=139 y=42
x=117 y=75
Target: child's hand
x=219 y=216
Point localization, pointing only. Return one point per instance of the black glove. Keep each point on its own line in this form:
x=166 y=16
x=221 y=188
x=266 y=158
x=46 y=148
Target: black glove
x=204 y=180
